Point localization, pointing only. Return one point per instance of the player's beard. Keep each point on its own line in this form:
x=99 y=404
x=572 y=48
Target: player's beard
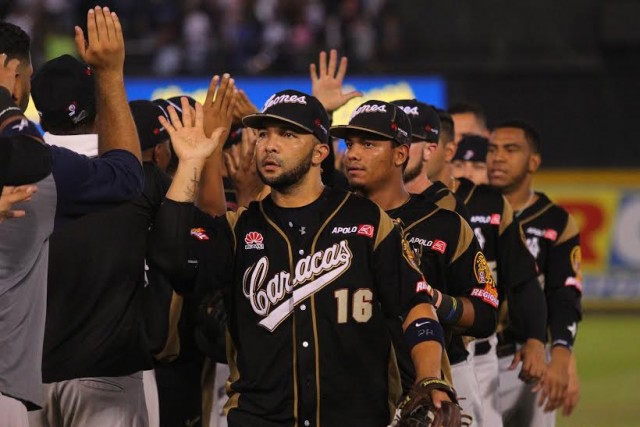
x=288 y=178
x=410 y=174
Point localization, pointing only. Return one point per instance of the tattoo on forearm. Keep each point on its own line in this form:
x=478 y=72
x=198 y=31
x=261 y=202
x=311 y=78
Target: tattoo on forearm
x=192 y=187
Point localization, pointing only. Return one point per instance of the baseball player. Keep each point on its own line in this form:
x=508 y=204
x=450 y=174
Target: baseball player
x=445 y=247
x=310 y=276
x=433 y=153
x=553 y=239
x=470 y=119
x=470 y=160
x=23 y=161
x=492 y=221
x=76 y=186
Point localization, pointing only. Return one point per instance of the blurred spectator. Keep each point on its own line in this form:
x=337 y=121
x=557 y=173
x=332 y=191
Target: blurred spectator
x=166 y=37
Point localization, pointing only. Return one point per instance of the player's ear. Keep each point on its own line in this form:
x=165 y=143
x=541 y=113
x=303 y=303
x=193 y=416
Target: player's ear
x=401 y=154
x=450 y=151
x=429 y=149
x=320 y=152
x=535 y=160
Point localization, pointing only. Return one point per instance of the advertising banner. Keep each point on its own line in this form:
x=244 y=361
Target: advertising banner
x=606 y=205
x=427 y=89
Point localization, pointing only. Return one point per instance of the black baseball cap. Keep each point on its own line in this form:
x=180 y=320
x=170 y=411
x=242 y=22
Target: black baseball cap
x=150 y=131
x=175 y=102
x=425 y=123
x=379 y=120
x=63 y=92
x=295 y=108
x=472 y=148
x=235 y=136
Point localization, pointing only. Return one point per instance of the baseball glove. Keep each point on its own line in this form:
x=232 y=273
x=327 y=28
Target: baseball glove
x=418 y=409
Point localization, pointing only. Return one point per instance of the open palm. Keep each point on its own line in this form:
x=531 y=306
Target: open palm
x=187 y=135
x=326 y=81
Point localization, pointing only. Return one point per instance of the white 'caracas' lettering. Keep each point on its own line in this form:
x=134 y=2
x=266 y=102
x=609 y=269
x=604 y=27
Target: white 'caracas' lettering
x=286 y=99
x=323 y=266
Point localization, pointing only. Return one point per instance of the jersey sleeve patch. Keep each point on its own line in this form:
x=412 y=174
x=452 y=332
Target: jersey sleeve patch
x=199 y=233
x=488 y=293
x=576 y=261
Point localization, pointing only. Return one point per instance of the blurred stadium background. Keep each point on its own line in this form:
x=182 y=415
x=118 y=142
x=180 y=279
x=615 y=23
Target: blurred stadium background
x=570 y=67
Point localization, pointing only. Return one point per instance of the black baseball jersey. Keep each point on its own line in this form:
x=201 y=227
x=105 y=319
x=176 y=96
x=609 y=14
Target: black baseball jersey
x=501 y=239
x=553 y=238
x=451 y=261
x=440 y=194
x=310 y=295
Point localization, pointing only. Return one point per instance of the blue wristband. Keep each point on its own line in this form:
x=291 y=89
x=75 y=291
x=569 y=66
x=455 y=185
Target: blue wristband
x=421 y=330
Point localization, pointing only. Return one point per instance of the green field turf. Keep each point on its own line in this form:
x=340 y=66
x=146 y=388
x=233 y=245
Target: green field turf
x=608 y=351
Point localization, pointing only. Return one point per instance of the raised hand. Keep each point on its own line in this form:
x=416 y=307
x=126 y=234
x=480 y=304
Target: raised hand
x=327 y=84
x=104 y=49
x=244 y=107
x=11 y=195
x=8 y=72
x=219 y=105
x=188 y=138
x=240 y=161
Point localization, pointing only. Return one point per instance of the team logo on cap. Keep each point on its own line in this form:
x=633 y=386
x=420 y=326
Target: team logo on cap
x=73 y=109
x=428 y=128
x=318 y=123
x=410 y=111
x=369 y=108
x=253 y=240
x=284 y=99
x=468 y=155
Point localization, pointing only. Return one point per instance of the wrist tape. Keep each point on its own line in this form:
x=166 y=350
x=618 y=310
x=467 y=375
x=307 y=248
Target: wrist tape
x=448 y=308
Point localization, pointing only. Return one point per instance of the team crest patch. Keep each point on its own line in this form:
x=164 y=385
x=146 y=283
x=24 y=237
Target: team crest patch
x=410 y=255
x=489 y=293
x=495 y=219
x=253 y=240
x=366 y=230
x=199 y=233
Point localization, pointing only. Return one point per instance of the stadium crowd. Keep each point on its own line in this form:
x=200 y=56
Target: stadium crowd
x=245 y=37
x=156 y=255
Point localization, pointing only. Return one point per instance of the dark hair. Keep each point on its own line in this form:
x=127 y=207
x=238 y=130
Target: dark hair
x=447 y=129
x=14 y=41
x=469 y=107
x=531 y=134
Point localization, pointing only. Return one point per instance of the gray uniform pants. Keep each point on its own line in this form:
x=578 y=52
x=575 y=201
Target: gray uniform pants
x=518 y=404
x=13 y=413
x=466 y=386
x=486 y=370
x=93 y=402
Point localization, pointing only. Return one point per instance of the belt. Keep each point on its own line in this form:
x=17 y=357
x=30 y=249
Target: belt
x=506 y=349
x=506 y=345
x=482 y=348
